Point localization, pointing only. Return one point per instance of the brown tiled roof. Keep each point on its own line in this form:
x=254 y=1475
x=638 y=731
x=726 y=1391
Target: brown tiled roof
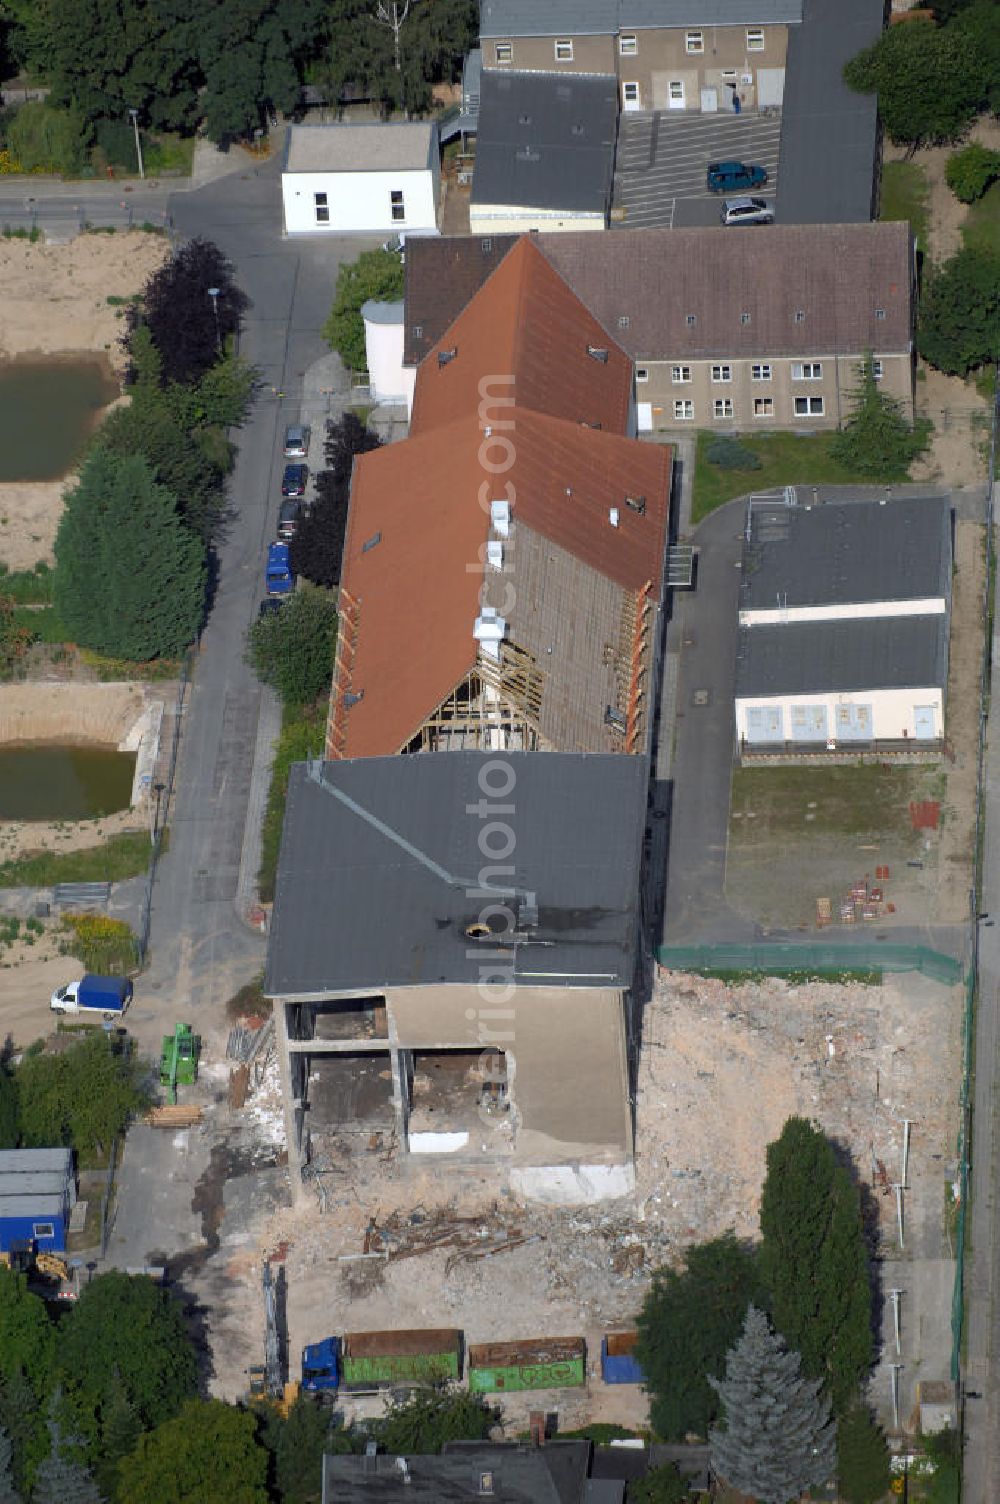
x=525 y=324
x=684 y=293
x=441 y=275
x=410 y=600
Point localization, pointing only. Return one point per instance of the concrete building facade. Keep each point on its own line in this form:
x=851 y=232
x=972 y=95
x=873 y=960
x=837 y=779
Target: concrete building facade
x=361 y=179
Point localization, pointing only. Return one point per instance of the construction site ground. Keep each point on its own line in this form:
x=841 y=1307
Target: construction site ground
x=381 y=1244
x=799 y=834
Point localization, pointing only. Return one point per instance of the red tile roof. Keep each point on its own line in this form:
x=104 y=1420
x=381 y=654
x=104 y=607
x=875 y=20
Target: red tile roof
x=525 y=323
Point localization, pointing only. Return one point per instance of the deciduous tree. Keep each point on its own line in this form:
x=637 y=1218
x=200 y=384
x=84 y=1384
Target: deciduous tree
x=8 y=1491
x=250 y=53
x=24 y=1422
x=661 y=1485
x=27 y=1337
x=83 y=1097
x=318 y=546
x=689 y=1320
x=813 y=1259
x=297 y=1444
x=292 y=648
x=776 y=1439
x=189 y=327
x=428 y=1418
x=130 y=576
x=375 y=274
x=959 y=320
x=126 y=1336
x=930 y=81
x=63 y=1477
x=208 y=1451
x=971 y=171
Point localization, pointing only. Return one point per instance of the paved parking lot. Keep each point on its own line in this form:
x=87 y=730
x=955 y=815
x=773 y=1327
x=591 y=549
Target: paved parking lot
x=662 y=159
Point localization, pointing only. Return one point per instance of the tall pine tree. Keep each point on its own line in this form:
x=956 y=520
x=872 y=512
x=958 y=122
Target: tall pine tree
x=8 y=1493
x=813 y=1259
x=130 y=577
x=62 y=1478
x=777 y=1439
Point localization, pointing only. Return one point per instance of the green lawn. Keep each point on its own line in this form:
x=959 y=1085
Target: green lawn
x=42 y=621
x=120 y=857
x=27 y=586
x=302 y=733
x=786 y=460
x=849 y=800
x=168 y=153
x=904 y=196
x=981 y=230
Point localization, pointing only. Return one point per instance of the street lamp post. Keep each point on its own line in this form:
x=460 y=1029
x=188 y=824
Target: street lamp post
x=138 y=143
x=213 y=293
x=157 y=790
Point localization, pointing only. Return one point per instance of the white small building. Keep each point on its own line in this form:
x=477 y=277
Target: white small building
x=389 y=380
x=844 y=625
x=361 y=179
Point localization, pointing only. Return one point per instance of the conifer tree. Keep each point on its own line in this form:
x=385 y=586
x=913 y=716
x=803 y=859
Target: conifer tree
x=62 y=1478
x=777 y=1438
x=8 y=1493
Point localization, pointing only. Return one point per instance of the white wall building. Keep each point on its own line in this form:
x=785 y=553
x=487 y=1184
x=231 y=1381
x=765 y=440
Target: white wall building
x=389 y=380
x=844 y=618
x=361 y=179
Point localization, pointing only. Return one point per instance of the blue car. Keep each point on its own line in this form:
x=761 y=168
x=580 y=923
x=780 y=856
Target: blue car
x=278 y=577
x=731 y=177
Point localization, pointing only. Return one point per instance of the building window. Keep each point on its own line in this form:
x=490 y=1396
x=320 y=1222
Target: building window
x=695 y=41
x=763 y=407
x=630 y=94
x=504 y=52
x=322 y=208
x=809 y=370
x=43 y=1229
x=564 y=52
x=800 y=315
x=679 y=374
x=722 y=407
x=809 y=407
x=877 y=370
x=691 y=320
x=880 y=313
x=684 y=410
x=396 y=205
x=628 y=46
x=623 y=321
x=722 y=373
x=642 y=373
x=755 y=39
x=744 y=318
x=760 y=373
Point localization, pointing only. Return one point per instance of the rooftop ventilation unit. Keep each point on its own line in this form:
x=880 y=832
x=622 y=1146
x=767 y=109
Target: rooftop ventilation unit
x=598 y=353
x=500 y=518
x=444 y=356
x=486 y=1490
x=353 y=699
x=489 y=632
x=613 y=516
x=636 y=504
x=494 y=555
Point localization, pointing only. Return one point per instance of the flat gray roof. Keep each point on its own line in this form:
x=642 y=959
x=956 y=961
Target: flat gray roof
x=47 y=1206
x=546 y=141
x=801 y=658
x=27 y=1161
x=360 y=148
x=575 y=18
x=829 y=134
x=842 y=552
x=381 y=871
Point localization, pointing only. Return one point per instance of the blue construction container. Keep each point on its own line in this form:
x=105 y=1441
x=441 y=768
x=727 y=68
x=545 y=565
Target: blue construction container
x=618 y=1362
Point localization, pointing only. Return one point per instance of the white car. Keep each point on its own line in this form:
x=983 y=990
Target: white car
x=747 y=211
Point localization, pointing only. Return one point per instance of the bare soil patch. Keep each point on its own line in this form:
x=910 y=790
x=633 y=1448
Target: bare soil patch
x=25 y=989
x=946 y=215
x=55 y=303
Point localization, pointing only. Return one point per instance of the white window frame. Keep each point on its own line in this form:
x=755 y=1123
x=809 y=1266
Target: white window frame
x=755 y=39
x=812 y=407
x=630 y=92
x=878 y=369
x=683 y=410
x=397 y=201
x=763 y=407
x=642 y=373
x=43 y=1229
x=680 y=375
x=807 y=370
x=694 y=43
x=563 y=50
x=761 y=371
x=628 y=45
x=722 y=407
x=722 y=374
x=503 y=52
x=321 y=208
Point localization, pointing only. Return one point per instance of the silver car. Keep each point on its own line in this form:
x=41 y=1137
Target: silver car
x=747 y=211
x=296 y=442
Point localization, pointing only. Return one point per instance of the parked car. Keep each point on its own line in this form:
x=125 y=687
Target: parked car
x=293 y=482
x=730 y=177
x=747 y=211
x=296 y=441
x=278 y=577
x=288 y=519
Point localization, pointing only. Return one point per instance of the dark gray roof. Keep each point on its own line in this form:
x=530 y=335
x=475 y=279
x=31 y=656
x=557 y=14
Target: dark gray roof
x=576 y=18
x=830 y=657
x=566 y=1462
x=838 y=553
x=546 y=141
x=829 y=134
x=520 y=1476
x=379 y=856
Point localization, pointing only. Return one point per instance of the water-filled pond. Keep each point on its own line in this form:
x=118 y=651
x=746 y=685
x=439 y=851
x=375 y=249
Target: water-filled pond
x=45 y=781
x=48 y=409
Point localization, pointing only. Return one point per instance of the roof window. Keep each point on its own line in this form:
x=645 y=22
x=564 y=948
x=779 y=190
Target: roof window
x=623 y=321
x=444 y=356
x=636 y=504
x=370 y=543
x=598 y=353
